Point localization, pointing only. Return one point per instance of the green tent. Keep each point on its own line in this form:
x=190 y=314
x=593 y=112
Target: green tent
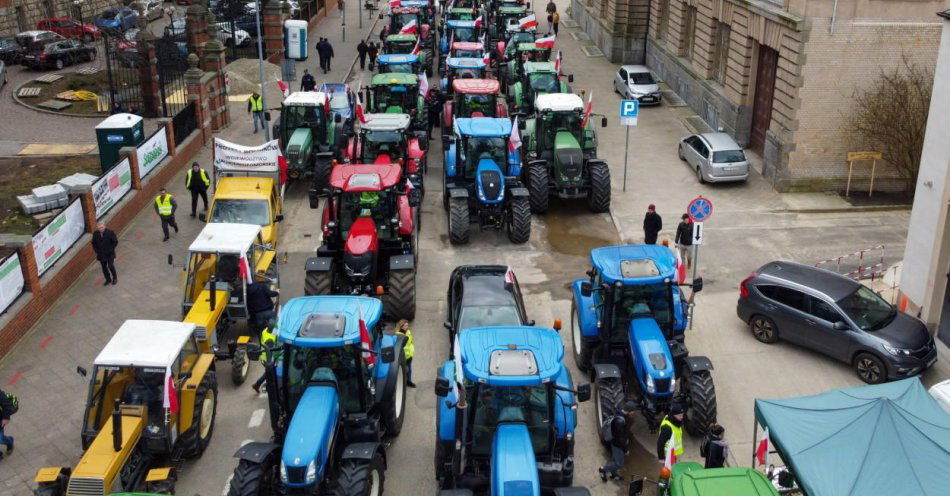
x=888 y=439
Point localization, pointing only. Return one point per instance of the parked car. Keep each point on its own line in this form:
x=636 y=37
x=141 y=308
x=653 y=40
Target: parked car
x=837 y=316
x=3 y=73
x=483 y=295
x=69 y=28
x=636 y=82
x=715 y=157
x=117 y=19
x=31 y=40
x=59 y=54
x=240 y=37
x=10 y=51
x=151 y=9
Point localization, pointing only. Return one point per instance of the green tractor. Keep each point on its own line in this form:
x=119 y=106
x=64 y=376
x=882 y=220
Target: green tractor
x=691 y=479
x=504 y=21
x=409 y=44
x=538 y=78
x=398 y=93
x=561 y=154
x=308 y=137
x=516 y=59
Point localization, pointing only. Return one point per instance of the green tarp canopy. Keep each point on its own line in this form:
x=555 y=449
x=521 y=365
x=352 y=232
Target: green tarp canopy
x=888 y=439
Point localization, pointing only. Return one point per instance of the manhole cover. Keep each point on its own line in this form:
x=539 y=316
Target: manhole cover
x=592 y=51
x=568 y=23
x=55 y=104
x=580 y=36
x=672 y=99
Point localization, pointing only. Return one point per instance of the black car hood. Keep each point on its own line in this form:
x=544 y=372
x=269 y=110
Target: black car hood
x=904 y=332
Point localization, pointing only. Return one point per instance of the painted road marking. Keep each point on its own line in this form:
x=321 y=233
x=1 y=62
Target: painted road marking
x=74 y=309
x=256 y=418
x=227 y=485
x=16 y=377
x=139 y=234
x=46 y=342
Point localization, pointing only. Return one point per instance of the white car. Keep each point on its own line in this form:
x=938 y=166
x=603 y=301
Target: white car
x=239 y=38
x=636 y=82
x=941 y=393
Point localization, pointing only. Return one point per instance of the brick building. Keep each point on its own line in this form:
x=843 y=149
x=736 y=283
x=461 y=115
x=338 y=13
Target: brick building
x=22 y=15
x=779 y=75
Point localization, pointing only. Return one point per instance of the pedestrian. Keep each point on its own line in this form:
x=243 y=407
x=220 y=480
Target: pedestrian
x=255 y=107
x=435 y=110
x=268 y=339
x=714 y=448
x=652 y=224
x=614 y=431
x=402 y=327
x=260 y=305
x=321 y=56
x=307 y=82
x=550 y=9
x=555 y=19
x=104 y=243
x=671 y=433
x=9 y=404
x=372 y=52
x=329 y=50
x=197 y=182
x=361 y=50
x=165 y=206
x=684 y=240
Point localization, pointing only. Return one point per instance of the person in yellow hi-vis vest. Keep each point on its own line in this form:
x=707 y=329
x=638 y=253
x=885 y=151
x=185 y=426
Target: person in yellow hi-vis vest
x=671 y=431
x=165 y=206
x=268 y=340
x=255 y=107
x=402 y=327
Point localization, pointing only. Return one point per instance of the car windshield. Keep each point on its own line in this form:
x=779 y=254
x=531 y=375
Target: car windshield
x=481 y=316
x=239 y=211
x=727 y=156
x=527 y=404
x=304 y=367
x=866 y=309
x=493 y=148
x=339 y=101
x=641 y=78
x=544 y=83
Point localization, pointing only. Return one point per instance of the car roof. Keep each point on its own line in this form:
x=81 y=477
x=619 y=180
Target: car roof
x=539 y=67
x=335 y=320
x=558 y=102
x=397 y=58
x=485 y=285
x=635 y=68
x=354 y=178
x=465 y=63
x=306 y=98
x=483 y=126
x=386 y=122
x=146 y=343
x=832 y=285
x=720 y=141
x=476 y=86
x=226 y=237
x=536 y=345
x=394 y=78
x=634 y=264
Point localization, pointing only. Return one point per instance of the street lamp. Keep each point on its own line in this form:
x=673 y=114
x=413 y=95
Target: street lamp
x=78 y=4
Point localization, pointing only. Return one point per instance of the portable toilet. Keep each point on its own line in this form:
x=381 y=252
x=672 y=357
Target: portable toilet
x=115 y=132
x=295 y=39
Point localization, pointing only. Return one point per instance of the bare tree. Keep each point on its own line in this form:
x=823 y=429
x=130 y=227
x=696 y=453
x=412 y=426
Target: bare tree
x=891 y=116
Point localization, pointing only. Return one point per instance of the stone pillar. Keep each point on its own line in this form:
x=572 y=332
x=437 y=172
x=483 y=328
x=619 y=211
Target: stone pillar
x=273 y=23
x=131 y=153
x=24 y=248
x=213 y=62
x=169 y=124
x=84 y=193
x=196 y=80
x=148 y=72
x=197 y=18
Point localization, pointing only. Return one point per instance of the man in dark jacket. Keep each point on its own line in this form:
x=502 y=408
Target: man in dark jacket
x=6 y=410
x=307 y=82
x=617 y=437
x=435 y=110
x=361 y=50
x=259 y=303
x=104 y=243
x=372 y=51
x=197 y=182
x=325 y=50
x=652 y=224
x=320 y=55
x=714 y=448
x=684 y=240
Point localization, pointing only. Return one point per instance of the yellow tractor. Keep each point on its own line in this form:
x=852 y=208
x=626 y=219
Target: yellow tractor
x=247 y=195
x=152 y=401
x=222 y=261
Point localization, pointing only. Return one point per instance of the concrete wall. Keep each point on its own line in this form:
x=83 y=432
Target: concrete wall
x=617 y=27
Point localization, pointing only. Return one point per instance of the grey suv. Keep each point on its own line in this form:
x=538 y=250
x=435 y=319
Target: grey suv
x=836 y=316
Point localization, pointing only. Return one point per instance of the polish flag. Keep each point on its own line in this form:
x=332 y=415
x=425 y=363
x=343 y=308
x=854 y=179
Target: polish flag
x=424 y=85
x=670 y=459
x=680 y=267
x=588 y=109
x=478 y=21
x=410 y=28
x=762 y=450
x=244 y=267
x=418 y=48
x=282 y=165
x=528 y=22
x=557 y=63
x=514 y=140
x=509 y=276
x=284 y=89
x=170 y=398
x=359 y=105
x=487 y=59
x=546 y=42
x=459 y=376
x=409 y=186
x=394 y=3
x=365 y=342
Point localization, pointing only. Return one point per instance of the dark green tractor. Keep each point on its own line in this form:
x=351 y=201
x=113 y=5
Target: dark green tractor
x=521 y=54
x=308 y=136
x=561 y=154
x=537 y=78
x=398 y=93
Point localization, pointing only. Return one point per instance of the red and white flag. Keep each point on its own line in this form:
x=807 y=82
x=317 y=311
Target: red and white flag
x=409 y=186
x=244 y=267
x=394 y=3
x=670 y=459
x=680 y=267
x=424 y=85
x=418 y=48
x=486 y=59
x=514 y=140
x=762 y=450
x=359 y=105
x=557 y=63
x=459 y=375
x=528 y=22
x=411 y=27
x=365 y=342
x=509 y=276
x=282 y=165
x=545 y=42
x=170 y=398
x=588 y=109
x=478 y=22
x=284 y=89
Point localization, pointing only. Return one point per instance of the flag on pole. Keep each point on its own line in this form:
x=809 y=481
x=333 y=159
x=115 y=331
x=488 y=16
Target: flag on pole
x=284 y=89
x=409 y=186
x=545 y=42
x=680 y=267
x=394 y=3
x=282 y=165
x=587 y=110
x=557 y=63
x=244 y=267
x=418 y=48
x=424 y=85
x=509 y=276
x=365 y=342
x=170 y=398
x=478 y=21
x=486 y=59
x=528 y=22
x=762 y=450
x=359 y=105
x=411 y=27
x=514 y=139
x=670 y=459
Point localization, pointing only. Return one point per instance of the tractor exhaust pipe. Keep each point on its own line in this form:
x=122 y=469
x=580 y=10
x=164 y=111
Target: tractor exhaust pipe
x=213 y=280
x=117 y=427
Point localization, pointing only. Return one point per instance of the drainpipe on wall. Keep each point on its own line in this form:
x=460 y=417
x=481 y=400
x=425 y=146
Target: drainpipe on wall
x=646 y=35
x=834 y=14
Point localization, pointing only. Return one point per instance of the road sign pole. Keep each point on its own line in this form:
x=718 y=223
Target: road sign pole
x=626 y=148
x=692 y=296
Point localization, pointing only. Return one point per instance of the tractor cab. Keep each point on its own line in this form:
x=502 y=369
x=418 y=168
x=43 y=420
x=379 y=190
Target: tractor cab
x=507 y=49
x=400 y=43
x=461 y=68
x=459 y=30
x=473 y=98
x=538 y=78
x=410 y=20
x=403 y=63
x=385 y=139
x=467 y=49
x=557 y=127
x=342 y=103
x=398 y=93
x=306 y=134
x=247 y=194
x=505 y=21
x=523 y=54
x=518 y=419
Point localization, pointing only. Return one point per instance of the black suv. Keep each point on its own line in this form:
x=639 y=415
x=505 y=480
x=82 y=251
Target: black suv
x=59 y=54
x=483 y=295
x=10 y=51
x=836 y=316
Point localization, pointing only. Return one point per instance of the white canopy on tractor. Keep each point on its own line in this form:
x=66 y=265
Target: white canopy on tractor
x=306 y=99
x=386 y=122
x=558 y=102
x=146 y=343
x=226 y=238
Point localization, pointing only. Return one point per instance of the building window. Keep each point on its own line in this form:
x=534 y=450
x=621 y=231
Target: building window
x=663 y=20
x=721 y=52
x=689 y=31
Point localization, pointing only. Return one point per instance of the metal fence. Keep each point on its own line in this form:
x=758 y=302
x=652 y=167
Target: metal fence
x=184 y=122
x=126 y=66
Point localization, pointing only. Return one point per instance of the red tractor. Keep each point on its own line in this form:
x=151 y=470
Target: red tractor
x=370 y=238
x=473 y=98
x=386 y=139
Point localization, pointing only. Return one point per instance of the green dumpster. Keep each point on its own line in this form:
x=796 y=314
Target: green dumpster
x=115 y=132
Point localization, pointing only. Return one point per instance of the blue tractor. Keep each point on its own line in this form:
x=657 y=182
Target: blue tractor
x=481 y=182
x=334 y=401
x=628 y=320
x=505 y=415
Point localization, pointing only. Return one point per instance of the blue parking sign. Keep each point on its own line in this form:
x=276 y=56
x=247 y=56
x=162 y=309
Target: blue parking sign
x=629 y=110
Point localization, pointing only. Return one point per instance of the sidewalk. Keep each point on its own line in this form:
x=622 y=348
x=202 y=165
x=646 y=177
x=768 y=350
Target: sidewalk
x=41 y=370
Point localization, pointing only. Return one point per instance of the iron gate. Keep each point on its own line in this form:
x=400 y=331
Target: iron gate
x=123 y=66
x=171 y=54
x=126 y=65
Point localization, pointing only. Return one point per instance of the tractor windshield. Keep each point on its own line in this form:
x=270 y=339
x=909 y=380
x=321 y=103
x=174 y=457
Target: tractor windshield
x=304 y=367
x=376 y=205
x=400 y=20
x=403 y=68
x=339 y=100
x=472 y=104
x=482 y=316
x=496 y=404
x=390 y=99
x=465 y=34
x=544 y=83
x=382 y=142
x=237 y=211
x=400 y=46
x=475 y=54
x=555 y=122
x=648 y=300
x=467 y=73
x=492 y=148
x=302 y=116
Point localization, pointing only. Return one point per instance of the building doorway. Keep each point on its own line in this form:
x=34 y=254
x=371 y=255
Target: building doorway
x=764 y=93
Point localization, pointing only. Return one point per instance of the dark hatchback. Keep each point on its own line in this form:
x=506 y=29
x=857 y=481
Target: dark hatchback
x=10 y=51
x=59 y=54
x=836 y=316
x=483 y=295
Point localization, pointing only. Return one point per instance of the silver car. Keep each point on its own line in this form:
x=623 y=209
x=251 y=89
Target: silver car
x=715 y=157
x=636 y=82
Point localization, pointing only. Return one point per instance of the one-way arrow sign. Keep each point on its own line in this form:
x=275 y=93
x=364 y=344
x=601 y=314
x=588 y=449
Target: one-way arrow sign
x=697 y=233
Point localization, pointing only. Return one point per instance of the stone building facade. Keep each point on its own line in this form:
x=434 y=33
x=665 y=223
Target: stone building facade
x=780 y=75
x=22 y=15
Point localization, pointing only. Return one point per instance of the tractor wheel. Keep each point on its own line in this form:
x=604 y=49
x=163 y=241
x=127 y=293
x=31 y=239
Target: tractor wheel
x=252 y=479
x=702 y=403
x=239 y=365
x=395 y=409
x=519 y=225
x=205 y=410
x=361 y=477
x=458 y=221
x=400 y=301
x=166 y=486
x=318 y=283
x=582 y=351
x=598 y=198
x=539 y=188
x=321 y=174
x=608 y=402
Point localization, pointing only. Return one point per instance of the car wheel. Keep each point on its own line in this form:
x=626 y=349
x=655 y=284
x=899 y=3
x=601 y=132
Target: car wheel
x=870 y=368
x=59 y=64
x=699 y=175
x=763 y=329
x=679 y=152
x=87 y=38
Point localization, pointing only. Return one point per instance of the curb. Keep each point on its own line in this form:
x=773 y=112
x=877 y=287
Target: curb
x=51 y=112
x=862 y=208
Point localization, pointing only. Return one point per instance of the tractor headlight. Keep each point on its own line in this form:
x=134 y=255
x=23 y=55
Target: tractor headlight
x=311 y=472
x=651 y=386
x=283 y=472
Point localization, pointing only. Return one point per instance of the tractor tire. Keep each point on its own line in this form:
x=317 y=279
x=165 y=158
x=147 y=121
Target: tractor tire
x=519 y=225
x=251 y=479
x=205 y=410
x=395 y=409
x=598 y=198
x=582 y=351
x=49 y=490
x=400 y=301
x=239 y=365
x=539 y=188
x=318 y=283
x=161 y=487
x=361 y=477
x=321 y=174
x=458 y=221
x=608 y=401
x=702 y=403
